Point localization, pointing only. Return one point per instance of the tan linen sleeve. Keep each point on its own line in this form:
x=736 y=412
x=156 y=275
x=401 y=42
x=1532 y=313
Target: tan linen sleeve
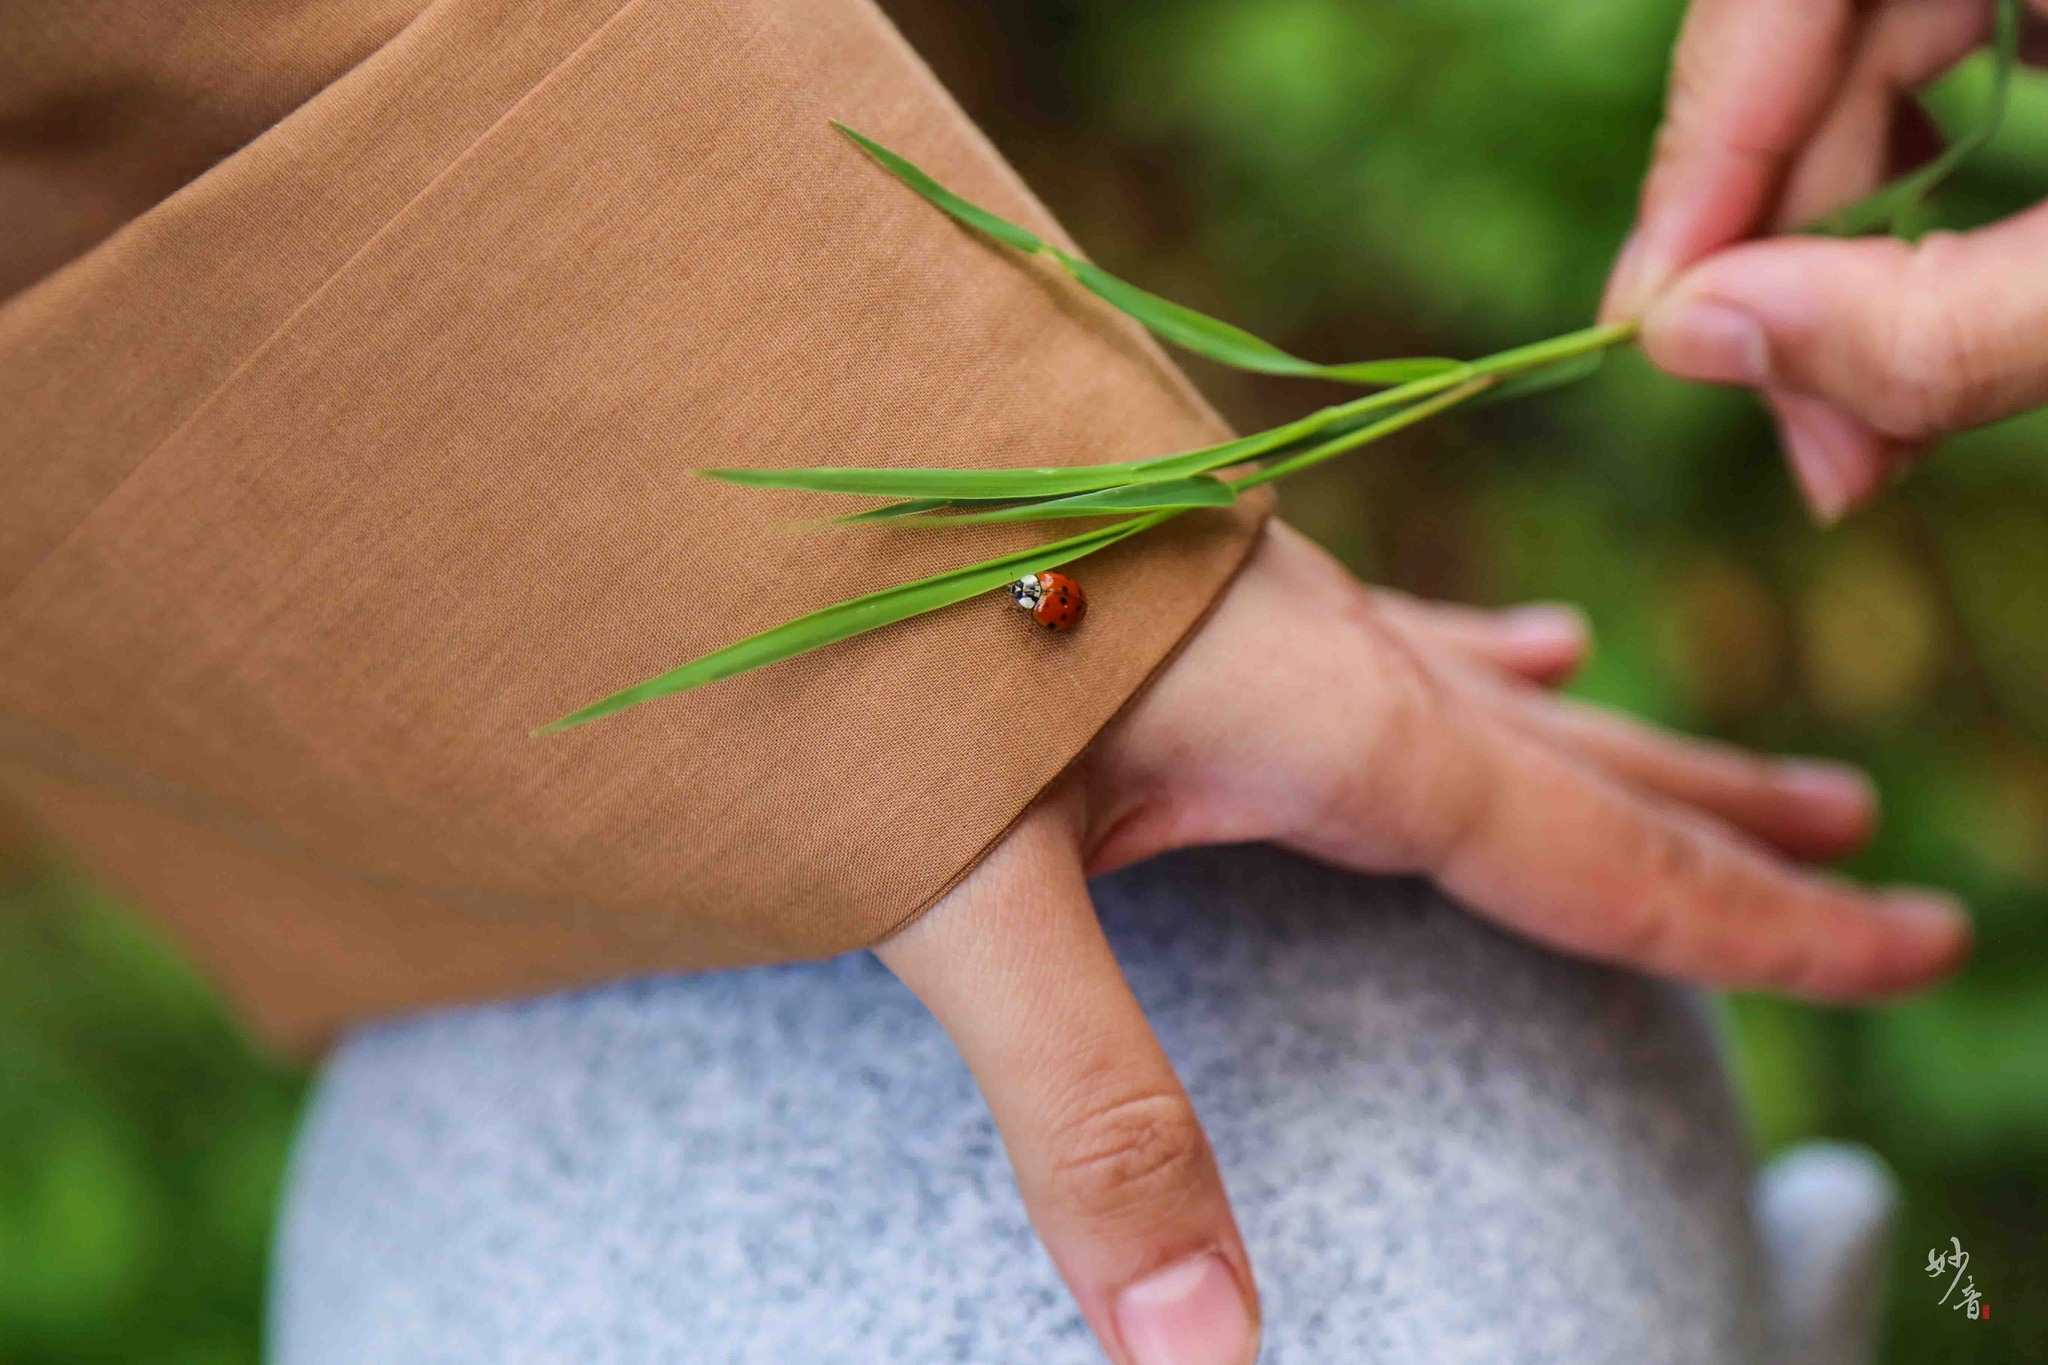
x=370 y=448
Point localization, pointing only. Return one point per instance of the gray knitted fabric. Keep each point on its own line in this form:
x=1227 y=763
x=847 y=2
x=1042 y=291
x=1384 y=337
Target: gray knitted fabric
x=1442 y=1144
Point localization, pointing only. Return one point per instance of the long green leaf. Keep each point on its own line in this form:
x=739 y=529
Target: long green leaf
x=936 y=483
x=976 y=217
x=1890 y=206
x=1183 y=326
x=856 y=616
x=1051 y=481
x=939 y=484
x=1202 y=490
x=1364 y=435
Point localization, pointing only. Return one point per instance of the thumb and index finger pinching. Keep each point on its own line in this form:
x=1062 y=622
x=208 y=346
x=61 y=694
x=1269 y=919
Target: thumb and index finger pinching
x=1864 y=350
x=1905 y=342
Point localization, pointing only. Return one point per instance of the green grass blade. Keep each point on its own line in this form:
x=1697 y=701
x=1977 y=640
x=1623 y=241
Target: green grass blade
x=1201 y=490
x=1365 y=435
x=935 y=486
x=1193 y=331
x=1053 y=481
x=935 y=483
x=1231 y=345
x=1555 y=374
x=975 y=216
x=855 y=616
x=1891 y=206
x=894 y=511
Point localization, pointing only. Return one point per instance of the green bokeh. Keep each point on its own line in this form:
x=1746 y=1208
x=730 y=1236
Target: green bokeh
x=1351 y=178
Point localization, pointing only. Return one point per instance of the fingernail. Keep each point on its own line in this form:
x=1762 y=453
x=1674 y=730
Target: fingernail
x=1839 y=461
x=1823 y=783
x=1699 y=338
x=1816 y=464
x=1545 y=626
x=1191 y=1313
x=1932 y=914
x=1625 y=291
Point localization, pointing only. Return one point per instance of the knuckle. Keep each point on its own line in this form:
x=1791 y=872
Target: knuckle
x=1750 y=777
x=1838 y=966
x=1693 y=101
x=1702 y=120
x=1742 y=926
x=1798 y=967
x=1682 y=877
x=1935 y=374
x=1754 y=940
x=1677 y=857
x=1117 y=1160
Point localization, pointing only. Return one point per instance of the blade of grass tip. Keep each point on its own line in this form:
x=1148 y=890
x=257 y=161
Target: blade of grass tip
x=1199 y=491
x=894 y=511
x=1194 y=331
x=975 y=216
x=855 y=616
x=1890 y=207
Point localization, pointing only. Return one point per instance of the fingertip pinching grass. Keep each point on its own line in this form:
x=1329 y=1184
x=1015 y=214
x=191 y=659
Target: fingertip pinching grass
x=1135 y=496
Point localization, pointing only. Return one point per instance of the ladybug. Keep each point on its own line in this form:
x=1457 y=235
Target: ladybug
x=1054 y=600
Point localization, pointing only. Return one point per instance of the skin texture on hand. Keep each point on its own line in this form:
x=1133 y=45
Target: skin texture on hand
x=1865 y=351
x=1382 y=734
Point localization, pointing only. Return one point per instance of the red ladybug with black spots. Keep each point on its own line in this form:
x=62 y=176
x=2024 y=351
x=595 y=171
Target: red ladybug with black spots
x=1061 y=603
x=1054 y=600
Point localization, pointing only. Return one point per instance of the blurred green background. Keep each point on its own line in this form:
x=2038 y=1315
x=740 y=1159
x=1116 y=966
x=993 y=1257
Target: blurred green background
x=1349 y=178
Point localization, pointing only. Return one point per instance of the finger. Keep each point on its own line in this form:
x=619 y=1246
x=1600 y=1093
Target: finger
x=1913 y=340
x=1749 y=81
x=1110 y=1158
x=1550 y=846
x=1565 y=854
x=1543 y=642
x=1901 y=46
x=1838 y=459
x=1808 y=808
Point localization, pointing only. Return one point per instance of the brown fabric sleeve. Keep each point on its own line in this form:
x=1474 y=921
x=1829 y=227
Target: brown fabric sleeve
x=370 y=448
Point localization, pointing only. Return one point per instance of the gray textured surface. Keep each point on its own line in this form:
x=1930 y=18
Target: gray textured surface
x=1442 y=1145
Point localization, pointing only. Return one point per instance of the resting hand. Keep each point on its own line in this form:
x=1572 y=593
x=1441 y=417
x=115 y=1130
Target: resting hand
x=1866 y=350
x=1380 y=734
